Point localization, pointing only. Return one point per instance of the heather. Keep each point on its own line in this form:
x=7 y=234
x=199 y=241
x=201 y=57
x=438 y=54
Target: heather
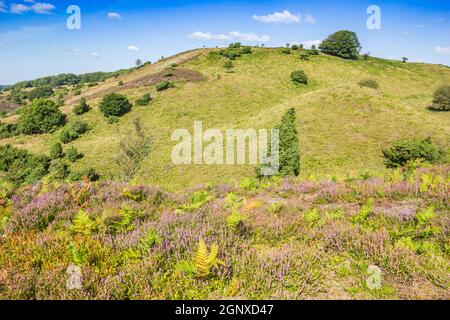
x=269 y=239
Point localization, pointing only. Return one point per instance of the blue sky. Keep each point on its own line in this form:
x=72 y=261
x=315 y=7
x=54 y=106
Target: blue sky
x=35 y=42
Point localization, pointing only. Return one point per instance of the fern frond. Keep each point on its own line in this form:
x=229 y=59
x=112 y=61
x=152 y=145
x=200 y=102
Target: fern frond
x=202 y=264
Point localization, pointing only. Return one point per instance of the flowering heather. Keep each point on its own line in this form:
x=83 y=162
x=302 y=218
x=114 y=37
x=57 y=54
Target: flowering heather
x=295 y=240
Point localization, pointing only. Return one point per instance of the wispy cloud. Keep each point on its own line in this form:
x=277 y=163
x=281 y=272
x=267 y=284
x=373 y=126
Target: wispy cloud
x=36 y=7
x=96 y=55
x=285 y=17
x=232 y=35
x=133 y=48
x=114 y=16
x=442 y=50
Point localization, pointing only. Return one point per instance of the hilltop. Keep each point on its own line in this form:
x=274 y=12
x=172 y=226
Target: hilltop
x=342 y=126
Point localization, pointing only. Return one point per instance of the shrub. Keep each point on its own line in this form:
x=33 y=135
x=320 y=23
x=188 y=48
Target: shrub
x=73 y=155
x=304 y=56
x=299 y=76
x=369 y=83
x=402 y=152
x=115 y=104
x=76 y=92
x=56 y=151
x=120 y=83
x=43 y=92
x=295 y=47
x=235 y=45
x=81 y=108
x=441 y=99
x=286 y=51
x=59 y=170
x=41 y=116
x=8 y=130
x=246 y=50
x=344 y=44
x=228 y=65
x=113 y=120
x=144 y=101
x=22 y=167
x=164 y=85
x=73 y=131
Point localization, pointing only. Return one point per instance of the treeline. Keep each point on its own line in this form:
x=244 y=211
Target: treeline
x=66 y=79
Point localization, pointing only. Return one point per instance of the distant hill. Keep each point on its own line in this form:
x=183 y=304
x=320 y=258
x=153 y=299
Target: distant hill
x=342 y=126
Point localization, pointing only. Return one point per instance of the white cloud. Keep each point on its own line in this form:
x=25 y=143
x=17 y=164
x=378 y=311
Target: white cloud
x=279 y=17
x=308 y=44
x=309 y=19
x=132 y=47
x=421 y=25
x=285 y=17
x=19 y=8
x=76 y=50
x=232 y=35
x=442 y=50
x=42 y=8
x=114 y=16
x=96 y=55
x=36 y=7
x=3 y=6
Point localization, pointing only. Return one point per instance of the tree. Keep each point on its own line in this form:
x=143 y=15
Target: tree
x=133 y=151
x=115 y=104
x=405 y=59
x=313 y=47
x=441 y=99
x=41 y=116
x=40 y=93
x=289 y=145
x=138 y=63
x=344 y=44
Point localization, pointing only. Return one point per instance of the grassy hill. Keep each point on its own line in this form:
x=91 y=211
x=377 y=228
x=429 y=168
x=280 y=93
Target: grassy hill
x=342 y=125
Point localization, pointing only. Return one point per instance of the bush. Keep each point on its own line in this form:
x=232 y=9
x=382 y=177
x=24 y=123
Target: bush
x=115 y=104
x=304 y=57
x=8 y=130
x=120 y=83
x=144 y=101
x=286 y=51
x=59 y=170
x=299 y=76
x=113 y=120
x=73 y=155
x=402 y=152
x=164 y=85
x=344 y=44
x=76 y=92
x=246 y=50
x=235 y=45
x=228 y=65
x=22 y=167
x=43 y=92
x=295 y=47
x=369 y=83
x=81 y=108
x=441 y=99
x=41 y=116
x=73 y=131
x=56 y=151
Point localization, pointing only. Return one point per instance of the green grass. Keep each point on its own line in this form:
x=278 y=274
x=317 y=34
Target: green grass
x=342 y=125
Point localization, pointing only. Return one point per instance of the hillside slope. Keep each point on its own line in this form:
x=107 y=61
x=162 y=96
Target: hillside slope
x=342 y=126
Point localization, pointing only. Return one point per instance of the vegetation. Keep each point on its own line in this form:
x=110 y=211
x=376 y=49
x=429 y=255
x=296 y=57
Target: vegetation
x=41 y=116
x=82 y=107
x=8 y=130
x=164 y=85
x=344 y=44
x=73 y=131
x=115 y=105
x=73 y=155
x=299 y=77
x=56 y=151
x=43 y=92
x=369 y=83
x=144 y=100
x=406 y=151
x=441 y=99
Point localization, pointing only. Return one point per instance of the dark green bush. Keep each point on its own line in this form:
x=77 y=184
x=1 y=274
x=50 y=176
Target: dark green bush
x=59 y=170
x=73 y=131
x=22 y=167
x=295 y=47
x=40 y=93
x=144 y=100
x=404 y=151
x=304 y=57
x=41 y=116
x=441 y=99
x=235 y=45
x=73 y=155
x=299 y=76
x=344 y=44
x=369 y=83
x=164 y=85
x=56 y=151
x=8 y=130
x=246 y=50
x=82 y=107
x=286 y=51
x=115 y=104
